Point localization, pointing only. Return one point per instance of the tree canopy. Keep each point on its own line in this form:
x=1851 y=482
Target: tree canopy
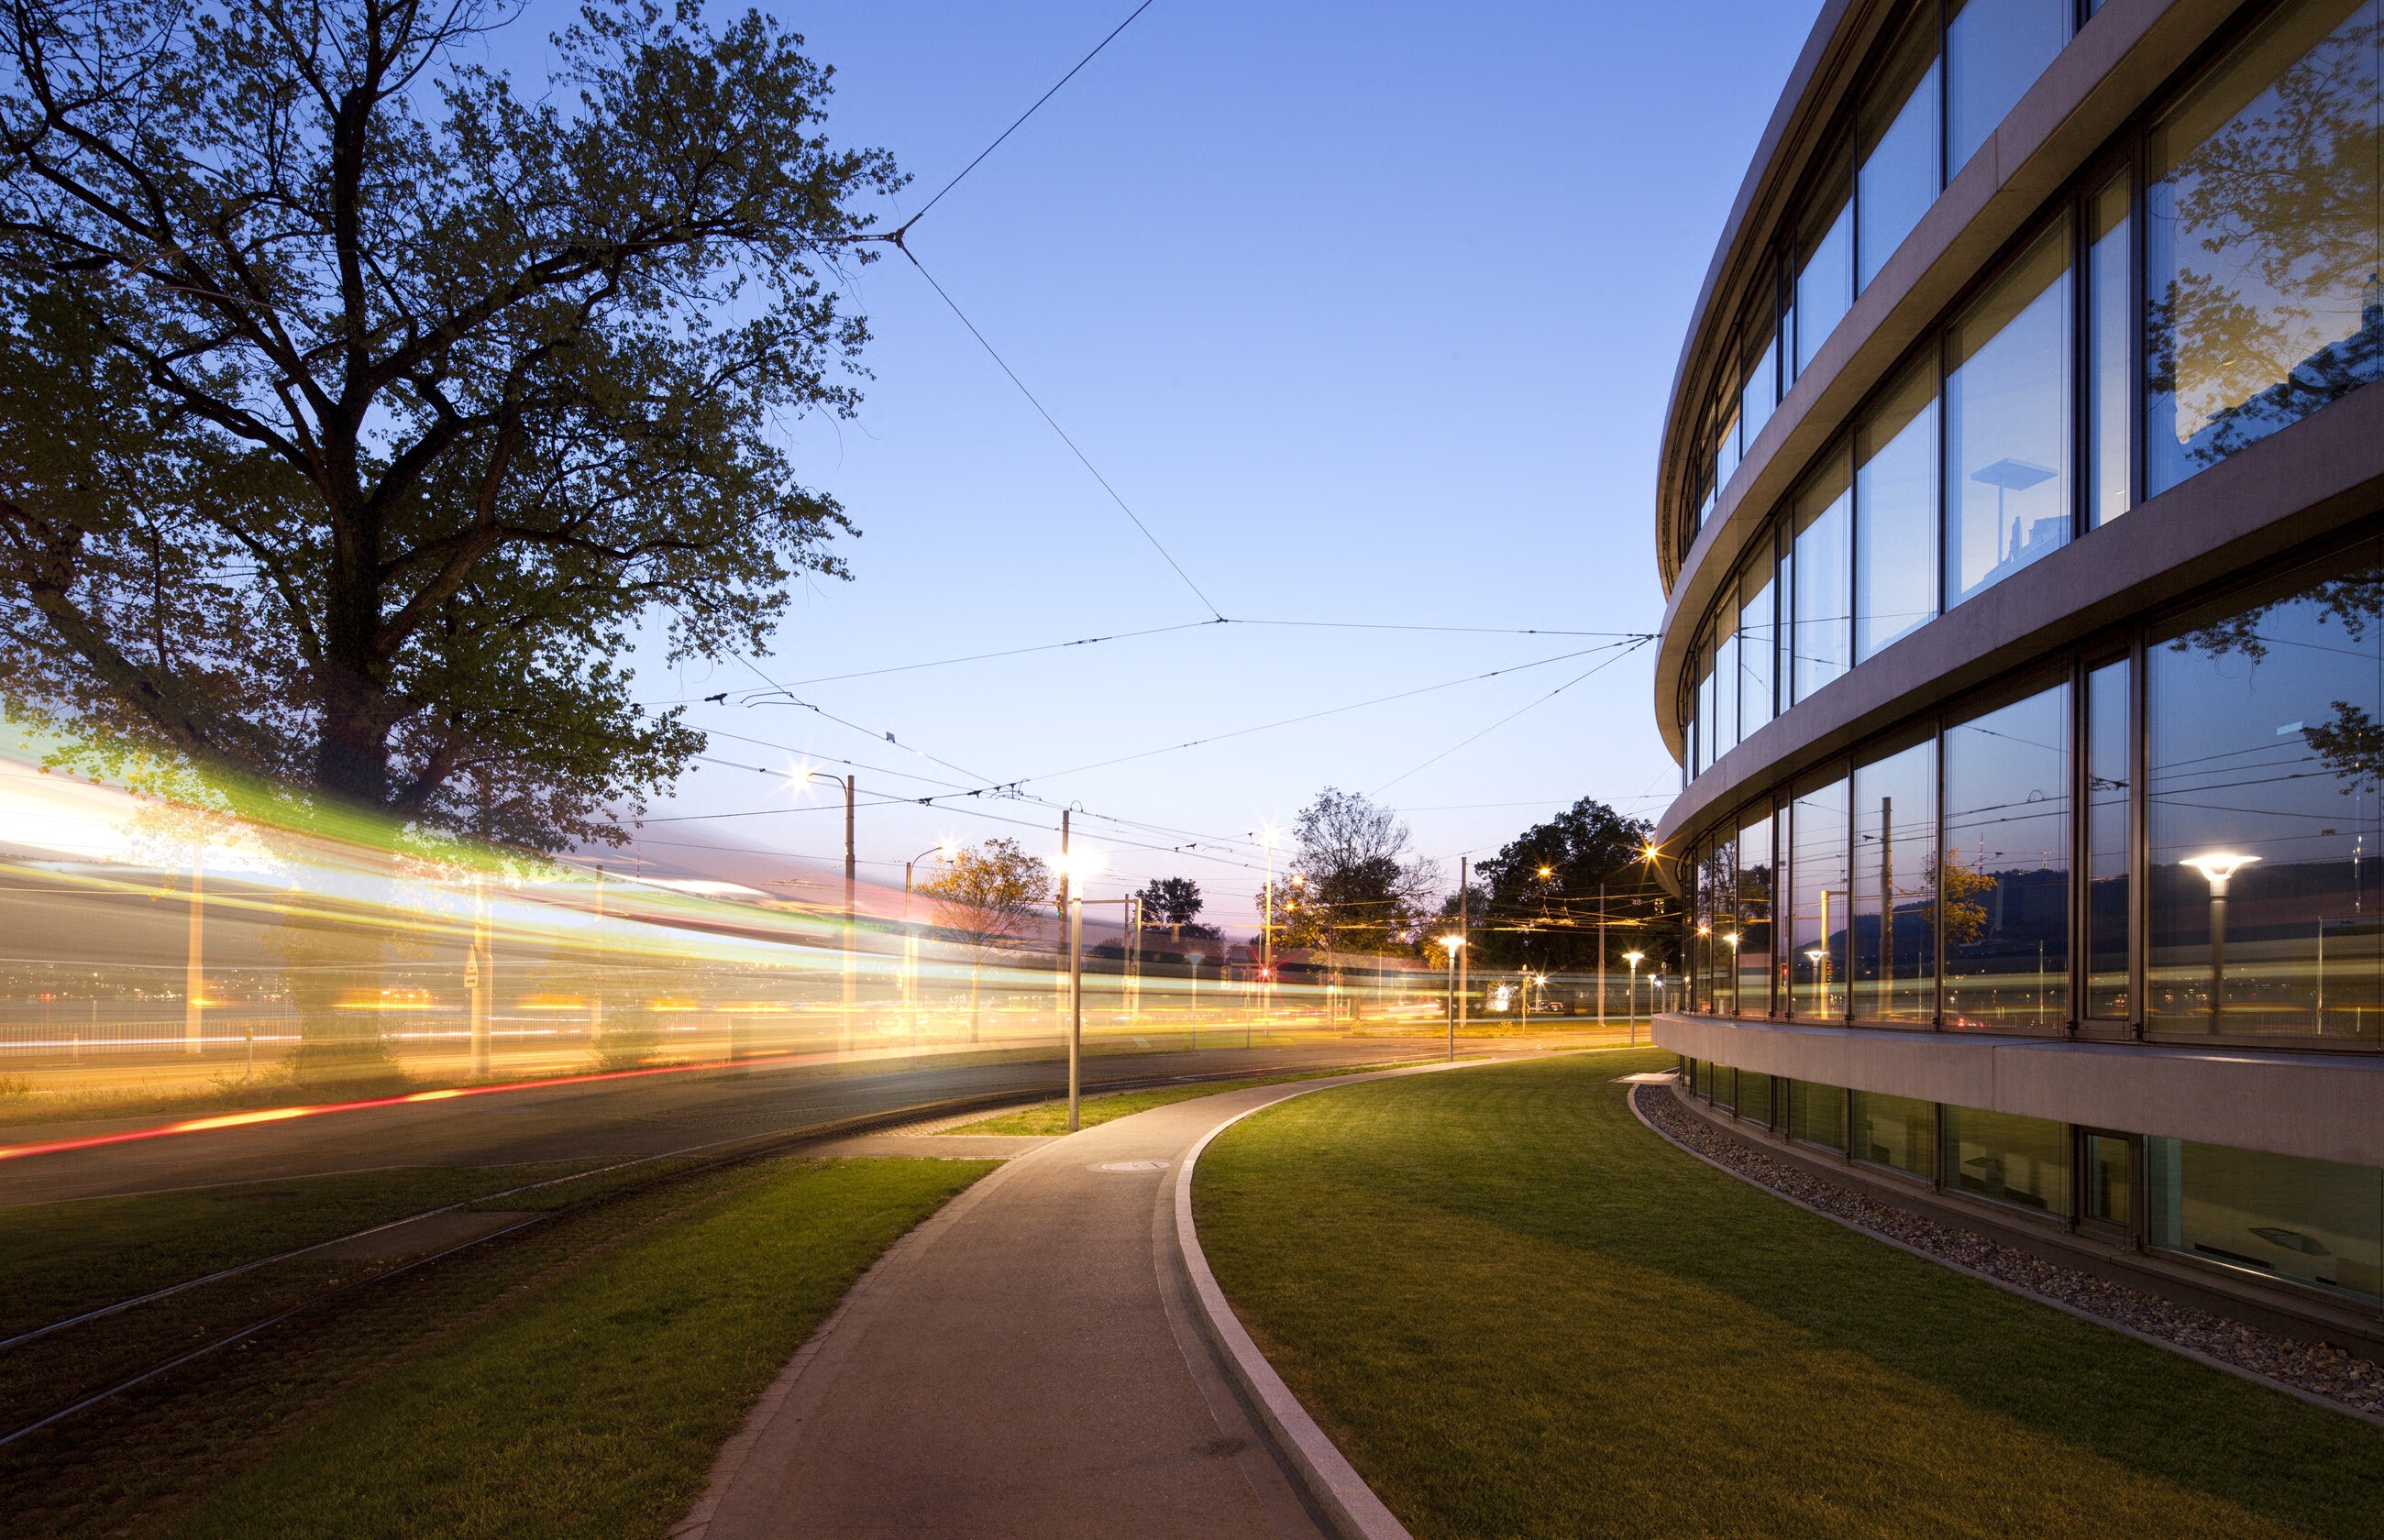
x=991 y=894
x=1355 y=883
x=1537 y=903
x=1171 y=900
x=355 y=408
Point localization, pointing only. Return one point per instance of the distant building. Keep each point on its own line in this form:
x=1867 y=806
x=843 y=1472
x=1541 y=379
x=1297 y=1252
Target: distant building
x=2021 y=515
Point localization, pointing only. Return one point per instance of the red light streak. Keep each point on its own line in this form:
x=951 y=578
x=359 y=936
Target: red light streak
x=284 y=1115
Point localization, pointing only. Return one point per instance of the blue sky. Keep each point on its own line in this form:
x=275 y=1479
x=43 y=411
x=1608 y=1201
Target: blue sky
x=1369 y=312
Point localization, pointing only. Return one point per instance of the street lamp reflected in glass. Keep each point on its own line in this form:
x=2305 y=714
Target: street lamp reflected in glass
x=2218 y=868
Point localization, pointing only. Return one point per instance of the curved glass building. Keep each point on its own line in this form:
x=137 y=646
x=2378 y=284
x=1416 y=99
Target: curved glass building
x=2021 y=518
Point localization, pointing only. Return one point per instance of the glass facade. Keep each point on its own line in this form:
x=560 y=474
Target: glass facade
x=1994 y=51
x=1821 y=630
x=2312 y=1221
x=1751 y=943
x=1759 y=645
x=2110 y=881
x=2262 y=237
x=1899 y=178
x=2007 y=1159
x=1895 y=516
x=1896 y=1132
x=1817 y=1114
x=2007 y=423
x=1816 y=868
x=1893 y=887
x=2142 y=337
x=2005 y=869
x=2265 y=737
x=2286 y=1219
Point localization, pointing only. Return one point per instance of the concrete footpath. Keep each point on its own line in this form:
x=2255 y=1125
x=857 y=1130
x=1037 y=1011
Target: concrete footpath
x=1027 y=1363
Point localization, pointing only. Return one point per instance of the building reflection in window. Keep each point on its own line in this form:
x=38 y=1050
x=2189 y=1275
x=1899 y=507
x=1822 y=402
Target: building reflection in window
x=2005 y=869
x=2007 y=1158
x=2314 y=1221
x=2263 y=223
x=1895 y=516
x=2265 y=739
x=1820 y=577
x=2008 y=388
x=1893 y=937
x=1749 y=942
x=1817 y=872
x=1896 y=1132
x=2108 y=882
x=1994 y=51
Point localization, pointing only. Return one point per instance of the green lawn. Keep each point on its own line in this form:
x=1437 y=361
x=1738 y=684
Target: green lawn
x=1520 y=1312
x=58 y=1259
x=1051 y=1117
x=591 y=1403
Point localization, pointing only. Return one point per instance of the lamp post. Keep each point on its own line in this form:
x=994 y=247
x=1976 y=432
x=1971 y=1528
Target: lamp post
x=1630 y=1001
x=1455 y=944
x=910 y=938
x=1192 y=1034
x=2217 y=868
x=1075 y=868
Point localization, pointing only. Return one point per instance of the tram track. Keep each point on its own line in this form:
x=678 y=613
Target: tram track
x=699 y=1161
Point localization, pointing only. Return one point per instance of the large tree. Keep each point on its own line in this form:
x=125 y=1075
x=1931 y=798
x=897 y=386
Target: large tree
x=355 y=408
x=1355 y=882
x=1537 y=903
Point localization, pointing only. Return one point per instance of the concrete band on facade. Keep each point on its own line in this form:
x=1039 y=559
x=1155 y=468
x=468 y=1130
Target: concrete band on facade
x=2118 y=59
x=2321 y=476
x=2319 y=1106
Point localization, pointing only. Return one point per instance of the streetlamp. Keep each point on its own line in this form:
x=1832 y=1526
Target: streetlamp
x=1076 y=867
x=944 y=848
x=1630 y=1001
x=1455 y=945
x=2217 y=868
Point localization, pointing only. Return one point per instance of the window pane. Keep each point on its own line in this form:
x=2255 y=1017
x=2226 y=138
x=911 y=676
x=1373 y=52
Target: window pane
x=2110 y=325
x=2007 y=866
x=1895 y=516
x=1822 y=629
x=1894 y=887
x=1726 y=451
x=1896 y=1132
x=2312 y=1220
x=1761 y=392
x=1816 y=868
x=2261 y=240
x=1817 y=1114
x=2007 y=423
x=2108 y=1168
x=2266 y=735
x=2011 y=1159
x=1994 y=51
x=1752 y=952
x=1701 y=708
x=1758 y=647
x=1725 y=696
x=2108 y=881
x=1825 y=286
x=1755 y=1096
x=1899 y=178
x=1721 y=1086
x=1717 y=920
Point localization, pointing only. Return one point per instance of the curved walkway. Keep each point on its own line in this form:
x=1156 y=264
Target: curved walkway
x=1028 y=1363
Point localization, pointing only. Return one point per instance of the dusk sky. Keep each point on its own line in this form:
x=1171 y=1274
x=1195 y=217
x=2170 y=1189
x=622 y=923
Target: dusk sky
x=1370 y=313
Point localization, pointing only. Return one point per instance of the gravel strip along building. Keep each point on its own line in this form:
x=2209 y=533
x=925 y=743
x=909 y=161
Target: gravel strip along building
x=2022 y=519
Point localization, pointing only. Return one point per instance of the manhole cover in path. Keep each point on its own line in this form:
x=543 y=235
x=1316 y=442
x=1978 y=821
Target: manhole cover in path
x=1132 y=1165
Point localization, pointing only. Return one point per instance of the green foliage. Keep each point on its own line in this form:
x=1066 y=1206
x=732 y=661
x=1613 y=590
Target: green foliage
x=1355 y=884
x=354 y=407
x=991 y=894
x=1538 y=903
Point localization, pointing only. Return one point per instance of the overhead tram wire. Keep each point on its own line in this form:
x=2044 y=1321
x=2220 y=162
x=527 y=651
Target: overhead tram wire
x=1627 y=649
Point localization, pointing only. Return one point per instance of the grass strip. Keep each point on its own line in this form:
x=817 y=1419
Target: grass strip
x=592 y=1402
x=1522 y=1313
x=1051 y=1117
x=58 y=1259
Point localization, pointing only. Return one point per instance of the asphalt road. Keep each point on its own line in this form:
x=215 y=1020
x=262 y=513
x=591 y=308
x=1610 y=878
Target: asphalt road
x=607 y=1120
